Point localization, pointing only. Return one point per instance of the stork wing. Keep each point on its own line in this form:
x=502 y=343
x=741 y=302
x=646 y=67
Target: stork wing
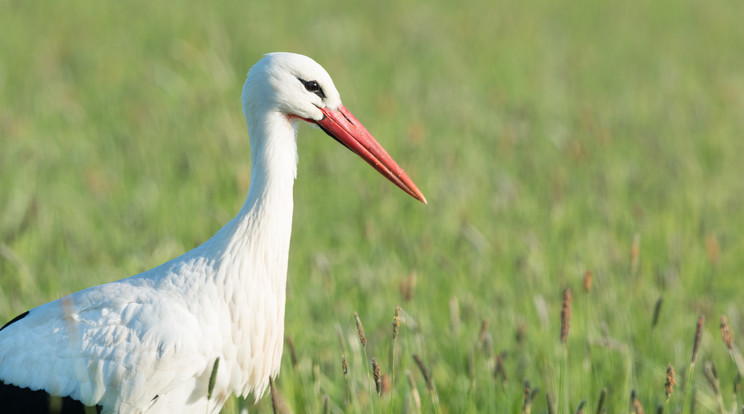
x=110 y=345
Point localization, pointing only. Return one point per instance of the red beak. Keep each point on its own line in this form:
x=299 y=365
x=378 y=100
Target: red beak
x=342 y=126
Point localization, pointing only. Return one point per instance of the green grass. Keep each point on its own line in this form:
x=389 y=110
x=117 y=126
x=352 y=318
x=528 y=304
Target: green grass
x=546 y=136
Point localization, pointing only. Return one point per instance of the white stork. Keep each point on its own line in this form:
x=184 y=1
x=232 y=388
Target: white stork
x=149 y=343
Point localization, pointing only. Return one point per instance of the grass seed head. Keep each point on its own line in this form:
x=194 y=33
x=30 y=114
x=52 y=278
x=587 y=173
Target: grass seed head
x=360 y=331
x=587 y=280
x=396 y=322
x=376 y=375
x=424 y=372
x=657 y=311
x=698 y=335
x=727 y=334
x=669 y=384
x=566 y=315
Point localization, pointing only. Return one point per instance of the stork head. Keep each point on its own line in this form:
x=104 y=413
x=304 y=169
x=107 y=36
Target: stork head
x=299 y=88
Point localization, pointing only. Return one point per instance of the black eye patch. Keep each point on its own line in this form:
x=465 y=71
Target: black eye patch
x=313 y=87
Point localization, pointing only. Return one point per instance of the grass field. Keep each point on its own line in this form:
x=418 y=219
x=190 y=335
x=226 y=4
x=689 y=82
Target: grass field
x=550 y=139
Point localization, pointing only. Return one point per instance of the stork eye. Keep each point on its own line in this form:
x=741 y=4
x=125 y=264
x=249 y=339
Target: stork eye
x=313 y=87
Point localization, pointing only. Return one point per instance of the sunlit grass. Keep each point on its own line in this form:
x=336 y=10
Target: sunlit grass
x=550 y=139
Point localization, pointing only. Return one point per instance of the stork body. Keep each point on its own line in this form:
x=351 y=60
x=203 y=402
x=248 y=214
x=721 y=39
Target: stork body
x=149 y=343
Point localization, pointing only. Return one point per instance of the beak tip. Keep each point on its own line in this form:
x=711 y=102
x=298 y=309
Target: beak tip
x=417 y=194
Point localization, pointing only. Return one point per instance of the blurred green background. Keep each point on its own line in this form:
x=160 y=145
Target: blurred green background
x=550 y=139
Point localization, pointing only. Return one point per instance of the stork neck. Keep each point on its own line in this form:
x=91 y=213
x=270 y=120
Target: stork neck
x=264 y=223
x=273 y=157
x=254 y=253
x=269 y=202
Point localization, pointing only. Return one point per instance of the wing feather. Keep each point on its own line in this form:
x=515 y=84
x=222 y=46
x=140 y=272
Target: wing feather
x=108 y=345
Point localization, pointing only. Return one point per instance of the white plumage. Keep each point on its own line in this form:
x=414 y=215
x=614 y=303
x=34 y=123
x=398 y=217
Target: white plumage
x=149 y=343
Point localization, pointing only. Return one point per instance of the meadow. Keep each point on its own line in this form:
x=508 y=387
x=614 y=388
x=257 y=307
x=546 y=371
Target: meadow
x=589 y=146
